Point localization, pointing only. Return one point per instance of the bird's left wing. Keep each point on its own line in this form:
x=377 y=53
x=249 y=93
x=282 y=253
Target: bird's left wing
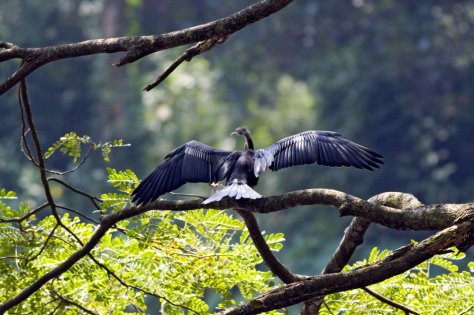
x=192 y=162
x=323 y=147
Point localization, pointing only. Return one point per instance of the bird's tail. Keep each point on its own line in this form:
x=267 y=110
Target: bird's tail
x=235 y=190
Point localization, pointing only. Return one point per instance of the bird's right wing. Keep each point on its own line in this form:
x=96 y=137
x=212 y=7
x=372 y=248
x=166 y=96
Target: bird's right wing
x=192 y=162
x=323 y=147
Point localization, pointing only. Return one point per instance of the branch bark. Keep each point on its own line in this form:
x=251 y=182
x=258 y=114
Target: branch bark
x=136 y=47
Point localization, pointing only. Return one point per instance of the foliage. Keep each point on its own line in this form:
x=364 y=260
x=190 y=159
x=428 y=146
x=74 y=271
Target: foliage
x=178 y=256
x=71 y=144
x=436 y=286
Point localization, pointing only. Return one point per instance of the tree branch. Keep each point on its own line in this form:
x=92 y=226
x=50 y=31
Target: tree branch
x=397 y=262
x=25 y=104
x=189 y=54
x=136 y=47
x=421 y=218
x=354 y=236
x=268 y=257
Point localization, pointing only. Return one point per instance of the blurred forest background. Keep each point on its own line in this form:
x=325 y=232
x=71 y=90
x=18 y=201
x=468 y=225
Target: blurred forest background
x=396 y=76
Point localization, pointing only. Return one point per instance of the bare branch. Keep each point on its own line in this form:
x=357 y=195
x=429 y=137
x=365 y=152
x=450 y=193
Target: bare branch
x=75 y=168
x=189 y=54
x=46 y=242
x=78 y=213
x=424 y=217
x=67 y=301
x=136 y=47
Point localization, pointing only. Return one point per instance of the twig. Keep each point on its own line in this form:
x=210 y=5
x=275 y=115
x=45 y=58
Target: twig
x=55 y=309
x=43 y=246
x=390 y=302
x=75 y=168
x=71 y=302
x=189 y=54
x=24 y=147
x=78 y=213
x=92 y=198
x=467 y=310
x=26 y=216
x=125 y=284
x=327 y=307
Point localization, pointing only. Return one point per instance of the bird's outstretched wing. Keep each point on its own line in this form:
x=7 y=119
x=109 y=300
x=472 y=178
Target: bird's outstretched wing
x=193 y=162
x=323 y=147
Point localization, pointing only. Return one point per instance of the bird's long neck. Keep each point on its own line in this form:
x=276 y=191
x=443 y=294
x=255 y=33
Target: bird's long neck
x=249 y=142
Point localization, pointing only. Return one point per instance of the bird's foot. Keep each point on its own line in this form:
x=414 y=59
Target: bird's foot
x=216 y=186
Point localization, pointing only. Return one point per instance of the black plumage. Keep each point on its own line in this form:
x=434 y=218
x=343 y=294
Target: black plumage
x=196 y=162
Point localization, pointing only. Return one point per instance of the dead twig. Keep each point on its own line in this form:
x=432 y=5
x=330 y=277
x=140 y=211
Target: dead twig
x=188 y=55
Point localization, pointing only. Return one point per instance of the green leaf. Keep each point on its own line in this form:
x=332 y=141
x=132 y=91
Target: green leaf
x=4 y=194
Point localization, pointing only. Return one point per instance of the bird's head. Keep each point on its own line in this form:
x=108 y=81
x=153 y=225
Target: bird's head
x=245 y=133
x=241 y=131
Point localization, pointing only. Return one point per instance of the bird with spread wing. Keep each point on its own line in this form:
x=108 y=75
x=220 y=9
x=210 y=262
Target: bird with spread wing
x=195 y=162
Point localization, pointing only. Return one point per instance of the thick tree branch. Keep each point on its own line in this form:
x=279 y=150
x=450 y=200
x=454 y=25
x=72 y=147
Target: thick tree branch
x=421 y=218
x=135 y=47
x=397 y=262
x=354 y=236
x=268 y=257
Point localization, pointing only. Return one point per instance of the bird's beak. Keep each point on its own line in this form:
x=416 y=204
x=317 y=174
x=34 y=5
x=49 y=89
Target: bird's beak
x=233 y=133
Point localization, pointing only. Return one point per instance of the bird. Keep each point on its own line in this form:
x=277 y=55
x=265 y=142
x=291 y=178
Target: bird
x=195 y=162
